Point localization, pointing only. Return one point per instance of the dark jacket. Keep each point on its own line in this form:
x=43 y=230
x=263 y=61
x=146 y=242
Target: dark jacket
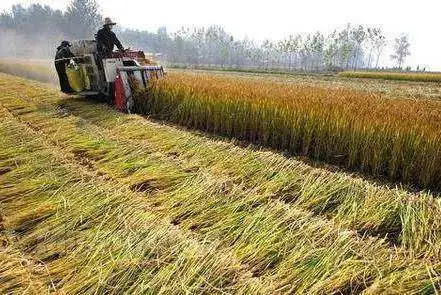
x=63 y=52
x=106 y=41
x=60 y=66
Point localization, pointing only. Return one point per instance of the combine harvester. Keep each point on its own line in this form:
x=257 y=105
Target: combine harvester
x=114 y=77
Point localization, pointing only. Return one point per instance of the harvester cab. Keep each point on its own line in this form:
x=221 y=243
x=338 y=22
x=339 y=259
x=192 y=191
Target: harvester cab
x=113 y=77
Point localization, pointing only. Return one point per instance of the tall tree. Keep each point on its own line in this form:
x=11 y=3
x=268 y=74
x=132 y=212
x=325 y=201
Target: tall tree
x=293 y=46
x=346 y=46
x=83 y=18
x=211 y=46
x=317 y=47
x=372 y=37
x=380 y=44
x=268 y=48
x=358 y=35
x=401 y=48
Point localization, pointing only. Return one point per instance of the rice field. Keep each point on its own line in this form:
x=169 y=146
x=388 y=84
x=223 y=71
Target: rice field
x=362 y=131
x=399 y=139
x=420 y=77
x=96 y=201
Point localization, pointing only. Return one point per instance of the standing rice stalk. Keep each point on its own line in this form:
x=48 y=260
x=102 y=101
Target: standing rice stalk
x=396 y=138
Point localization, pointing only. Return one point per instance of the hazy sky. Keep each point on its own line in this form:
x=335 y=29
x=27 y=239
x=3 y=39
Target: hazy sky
x=278 y=18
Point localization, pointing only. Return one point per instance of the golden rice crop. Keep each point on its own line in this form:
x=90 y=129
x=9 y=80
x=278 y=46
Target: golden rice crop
x=418 y=77
x=94 y=201
x=396 y=138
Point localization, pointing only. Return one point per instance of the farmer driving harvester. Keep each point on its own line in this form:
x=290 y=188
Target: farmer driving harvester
x=106 y=39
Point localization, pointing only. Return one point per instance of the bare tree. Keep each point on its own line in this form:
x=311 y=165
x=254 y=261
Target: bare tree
x=401 y=48
x=373 y=36
x=379 y=44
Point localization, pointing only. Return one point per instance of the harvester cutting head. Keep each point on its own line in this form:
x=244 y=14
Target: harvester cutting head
x=112 y=77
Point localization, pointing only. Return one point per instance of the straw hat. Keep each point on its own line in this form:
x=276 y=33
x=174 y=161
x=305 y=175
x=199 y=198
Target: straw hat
x=108 y=22
x=66 y=44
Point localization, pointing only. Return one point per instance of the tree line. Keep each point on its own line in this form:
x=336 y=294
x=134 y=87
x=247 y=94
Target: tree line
x=352 y=47
x=36 y=30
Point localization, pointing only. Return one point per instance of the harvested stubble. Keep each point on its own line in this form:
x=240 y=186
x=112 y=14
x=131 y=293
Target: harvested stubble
x=396 y=138
x=111 y=203
x=418 y=77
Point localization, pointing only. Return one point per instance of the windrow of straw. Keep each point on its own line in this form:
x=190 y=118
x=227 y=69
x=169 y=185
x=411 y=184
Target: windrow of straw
x=418 y=77
x=396 y=138
x=95 y=201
